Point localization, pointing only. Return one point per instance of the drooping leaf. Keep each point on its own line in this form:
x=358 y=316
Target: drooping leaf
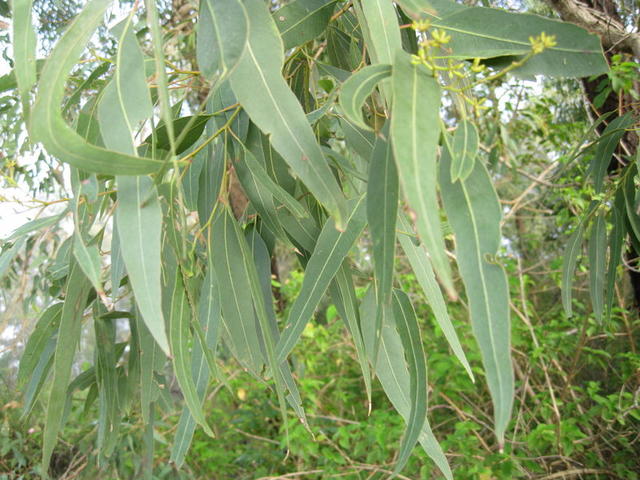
x=616 y=240
x=391 y=370
x=180 y=338
x=264 y=94
x=47 y=124
x=630 y=200
x=210 y=317
x=151 y=358
x=33 y=225
x=329 y=252
x=107 y=380
x=6 y=257
x=138 y=214
x=571 y=253
x=607 y=145
x=222 y=36
x=421 y=266
x=361 y=141
x=381 y=30
x=88 y=258
x=358 y=88
x=382 y=213
x=474 y=213
x=77 y=290
x=262 y=261
x=24 y=49
x=597 y=252
x=303 y=20
x=139 y=220
x=45 y=329
x=237 y=313
x=343 y=294
x=235 y=242
x=414 y=136
x=407 y=325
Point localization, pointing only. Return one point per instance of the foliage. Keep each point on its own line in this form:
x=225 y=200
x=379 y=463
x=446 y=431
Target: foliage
x=192 y=170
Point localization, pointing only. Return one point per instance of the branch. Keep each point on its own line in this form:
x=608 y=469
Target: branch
x=611 y=32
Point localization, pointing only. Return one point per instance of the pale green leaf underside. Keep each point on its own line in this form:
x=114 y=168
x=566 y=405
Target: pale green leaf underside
x=474 y=213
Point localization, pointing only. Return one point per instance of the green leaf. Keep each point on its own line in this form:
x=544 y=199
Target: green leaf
x=630 y=199
x=475 y=214
x=151 y=360
x=138 y=213
x=597 y=252
x=24 y=49
x=139 y=221
x=260 y=196
x=236 y=251
x=414 y=136
x=421 y=266
x=330 y=250
x=262 y=261
x=47 y=124
x=45 y=329
x=616 y=241
x=358 y=88
x=38 y=377
x=188 y=129
x=463 y=150
x=343 y=295
x=37 y=224
x=392 y=371
x=109 y=413
x=180 y=317
x=209 y=315
x=117 y=263
x=77 y=290
x=238 y=314
x=407 y=325
x=126 y=100
x=260 y=177
x=571 y=252
x=264 y=94
x=303 y=20
x=6 y=258
x=88 y=258
x=381 y=30
x=382 y=213
x=361 y=141
x=489 y=32
x=222 y=33
x=607 y=144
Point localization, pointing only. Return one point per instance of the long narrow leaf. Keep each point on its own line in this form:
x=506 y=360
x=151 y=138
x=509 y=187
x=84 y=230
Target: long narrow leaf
x=262 y=91
x=47 y=124
x=77 y=290
x=419 y=261
x=597 y=252
x=414 y=136
x=330 y=250
x=407 y=326
x=474 y=212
